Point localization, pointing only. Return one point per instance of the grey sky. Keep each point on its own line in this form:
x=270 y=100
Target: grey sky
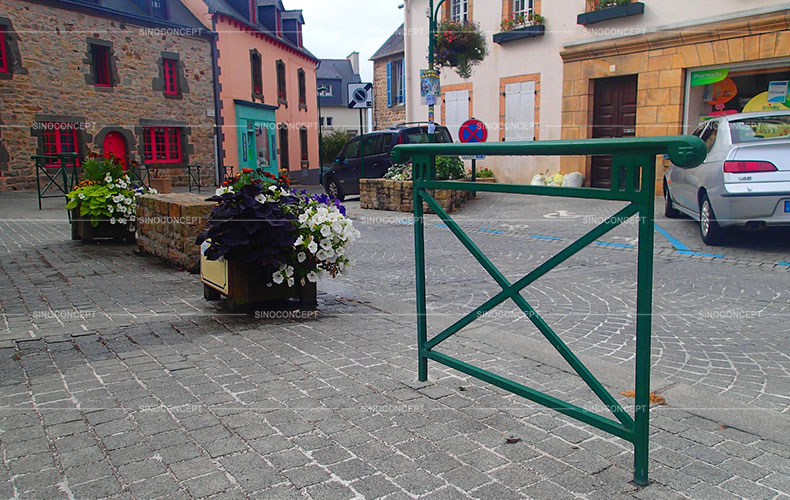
x=335 y=28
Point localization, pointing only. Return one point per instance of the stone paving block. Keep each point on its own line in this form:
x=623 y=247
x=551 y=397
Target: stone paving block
x=100 y=488
x=465 y=478
x=207 y=485
x=331 y=490
x=306 y=476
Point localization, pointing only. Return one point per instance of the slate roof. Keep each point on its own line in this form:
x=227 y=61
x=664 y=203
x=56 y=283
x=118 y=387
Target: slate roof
x=223 y=7
x=393 y=45
x=338 y=69
x=137 y=9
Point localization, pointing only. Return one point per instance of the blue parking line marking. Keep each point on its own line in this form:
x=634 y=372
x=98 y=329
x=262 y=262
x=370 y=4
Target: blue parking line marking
x=783 y=264
x=544 y=237
x=674 y=241
x=619 y=245
x=440 y=225
x=702 y=254
x=405 y=221
x=492 y=231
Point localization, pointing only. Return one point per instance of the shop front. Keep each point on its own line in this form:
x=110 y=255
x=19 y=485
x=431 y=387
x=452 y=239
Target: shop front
x=667 y=82
x=256 y=129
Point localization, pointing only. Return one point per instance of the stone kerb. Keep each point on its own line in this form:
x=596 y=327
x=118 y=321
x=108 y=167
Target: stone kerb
x=392 y=195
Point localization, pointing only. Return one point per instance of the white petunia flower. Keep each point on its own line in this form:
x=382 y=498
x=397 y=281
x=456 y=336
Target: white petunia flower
x=289 y=271
x=112 y=220
x=312 y=246
x=122 y=221
x=81 y=196
x=220 y=190
x=320 y=255
x=260 y=199
x=312 y=276
x=290 y=282
x=301 y=257
x=278 y=277
x=326 y=243
x=299 y=241
x=326 y=231
x=303 y=218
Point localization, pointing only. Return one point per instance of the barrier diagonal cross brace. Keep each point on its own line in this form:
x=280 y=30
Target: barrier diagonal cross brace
x=633 y=175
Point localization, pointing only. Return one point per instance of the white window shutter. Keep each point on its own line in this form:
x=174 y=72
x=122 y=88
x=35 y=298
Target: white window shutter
x=456 y=110
x=512 y=111
x=527 y=111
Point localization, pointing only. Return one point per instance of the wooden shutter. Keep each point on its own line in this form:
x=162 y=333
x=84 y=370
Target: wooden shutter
x=520 y=111
x=389 y=84
x=456 y=110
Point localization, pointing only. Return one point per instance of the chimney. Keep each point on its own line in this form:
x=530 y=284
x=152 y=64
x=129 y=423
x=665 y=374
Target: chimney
x=354 y=60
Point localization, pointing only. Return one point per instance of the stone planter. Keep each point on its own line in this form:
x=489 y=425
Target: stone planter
x=244 y=286
x=82 y=229
x=163 y=185
x=397 y=196
x=490 y=180
x=597 y=16
x=168 y=224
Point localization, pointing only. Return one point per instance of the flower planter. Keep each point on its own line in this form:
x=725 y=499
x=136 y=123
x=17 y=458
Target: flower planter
x=491 y=180
x=519 y=33
x=597 y=16
x=82 y=229
x=163 y=185
x=393 y=195
x=244 y=285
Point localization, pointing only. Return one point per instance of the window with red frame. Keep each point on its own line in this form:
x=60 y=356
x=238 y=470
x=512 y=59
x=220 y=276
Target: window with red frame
x=302 y=88
x=303 y=143
x=162 y=144
x=101 y=66
x=171 y=76
x=3 y=53
x=59 y=137
x=281 y=93
x=257 y=73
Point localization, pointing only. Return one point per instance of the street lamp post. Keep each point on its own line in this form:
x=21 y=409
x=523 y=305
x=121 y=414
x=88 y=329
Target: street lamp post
x=433 y=13
x=322 y=89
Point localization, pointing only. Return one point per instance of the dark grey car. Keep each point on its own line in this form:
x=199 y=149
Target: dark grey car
x=342 y=178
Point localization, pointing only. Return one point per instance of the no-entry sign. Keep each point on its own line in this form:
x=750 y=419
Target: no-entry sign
x=472 y=131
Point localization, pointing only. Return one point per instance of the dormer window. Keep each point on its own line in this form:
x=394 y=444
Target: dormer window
x=158 y=8
x=253 y=11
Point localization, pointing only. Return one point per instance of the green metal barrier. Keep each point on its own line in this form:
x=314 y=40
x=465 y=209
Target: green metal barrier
x=633 y=176
x=60 y=173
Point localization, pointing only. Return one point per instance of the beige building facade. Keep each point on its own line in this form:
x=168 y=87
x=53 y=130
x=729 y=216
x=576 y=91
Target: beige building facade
x=642 y=74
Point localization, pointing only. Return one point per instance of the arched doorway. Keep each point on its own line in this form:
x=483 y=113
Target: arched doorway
x=115 y=143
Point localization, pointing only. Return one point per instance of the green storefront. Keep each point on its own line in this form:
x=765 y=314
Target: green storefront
x=256 y=126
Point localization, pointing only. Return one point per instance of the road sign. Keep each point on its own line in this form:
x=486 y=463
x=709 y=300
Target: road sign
x=472 y=131
x=360 y=95
x=473 y=157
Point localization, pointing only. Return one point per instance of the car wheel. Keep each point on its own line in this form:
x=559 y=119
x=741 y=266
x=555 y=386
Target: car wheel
x=710 y=230
x=669 y=209
x=332 y=188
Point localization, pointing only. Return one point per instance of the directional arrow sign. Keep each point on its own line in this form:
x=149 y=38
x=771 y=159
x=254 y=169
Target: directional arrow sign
x=360 y=95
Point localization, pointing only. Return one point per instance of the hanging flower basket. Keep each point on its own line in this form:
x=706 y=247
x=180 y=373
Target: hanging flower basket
x=460 y=46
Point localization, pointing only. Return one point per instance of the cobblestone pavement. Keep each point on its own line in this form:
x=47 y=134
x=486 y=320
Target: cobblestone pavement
x=119 y=381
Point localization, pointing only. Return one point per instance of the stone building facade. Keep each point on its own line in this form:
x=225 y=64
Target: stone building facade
x=84 y=77
x=389 y=93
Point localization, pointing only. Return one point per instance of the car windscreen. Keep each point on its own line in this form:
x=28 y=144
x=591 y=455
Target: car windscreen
x=420 y=135
x=760 y=128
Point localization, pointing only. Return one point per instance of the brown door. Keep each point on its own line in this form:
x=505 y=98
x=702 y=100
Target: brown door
x=614 y=115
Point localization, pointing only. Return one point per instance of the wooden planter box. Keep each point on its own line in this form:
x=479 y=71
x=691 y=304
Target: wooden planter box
x=162 y=185
x=244 y=286
x=81 y=229
x=597 y=16
x=519 y=33
x=491 y=180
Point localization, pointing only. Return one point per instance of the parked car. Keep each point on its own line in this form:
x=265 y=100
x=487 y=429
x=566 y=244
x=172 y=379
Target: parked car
x=743 y=182
x=342 y=178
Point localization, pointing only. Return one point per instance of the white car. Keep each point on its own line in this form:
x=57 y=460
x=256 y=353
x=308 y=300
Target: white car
x=743 y=182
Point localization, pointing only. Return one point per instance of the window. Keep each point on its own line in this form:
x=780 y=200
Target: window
x=162 y=144
x=520 y=111
x=4 y=66
x=59 y=137
x=522 y=7
x=459 y=10
x=299 y=35
x=328 y=121
x=302 y=88
x=281 y=93
x=321 y=122
x=395 y=83
x=709 y=136
x=256 y=71
x=278 y=26
x=100 y=58
x=158 y=8
x=352 y=149
x=170 y=67
x=327 y=92
x=303 y=144
x=284 y=147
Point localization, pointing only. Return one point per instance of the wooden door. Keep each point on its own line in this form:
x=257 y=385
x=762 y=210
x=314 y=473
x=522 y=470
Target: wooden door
x=115 y=143
x=614 y=115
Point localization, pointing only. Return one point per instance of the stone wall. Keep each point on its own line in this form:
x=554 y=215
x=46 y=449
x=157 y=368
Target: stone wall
x=385 y=194
x=52 y=84
x=167 y=225
x=383 y=116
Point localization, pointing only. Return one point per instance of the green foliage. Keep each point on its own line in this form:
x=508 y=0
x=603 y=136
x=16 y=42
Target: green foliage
x=481 y=173
x=519 y=20
x=449 y=167
x=605 y=4
x=96 y=168
x=331 y=144
x=460 y=46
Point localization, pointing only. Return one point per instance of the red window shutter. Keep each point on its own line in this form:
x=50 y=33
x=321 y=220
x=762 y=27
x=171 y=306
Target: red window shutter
x=101 y=66
x=171 y=76
x=3 y=54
